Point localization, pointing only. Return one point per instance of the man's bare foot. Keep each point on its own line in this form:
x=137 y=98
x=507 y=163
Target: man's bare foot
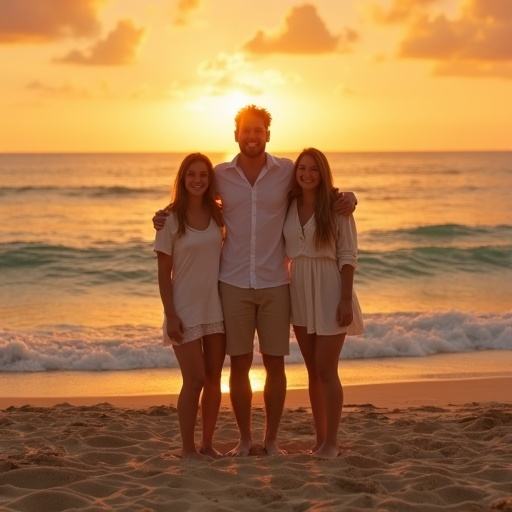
x=242 y=449
x=272 y=449
x=327 y=452
x=193 y=457
x=211 y=452
x=312 y=450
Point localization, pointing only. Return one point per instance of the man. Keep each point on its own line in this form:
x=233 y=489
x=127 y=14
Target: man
x=253 y=277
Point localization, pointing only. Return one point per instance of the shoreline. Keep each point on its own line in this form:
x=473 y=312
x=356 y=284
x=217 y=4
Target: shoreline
x=163 y=384
x=440 y=392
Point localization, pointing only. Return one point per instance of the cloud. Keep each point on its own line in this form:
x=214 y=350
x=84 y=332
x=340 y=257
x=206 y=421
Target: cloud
x=474 y=69
x=303 y=33
x=400 y=10
x=223 y=64
x=477 y=43
x=117 y=49
x=228 y=71
x=41 y=21
x=495 y=9
x=185 y=7
x=70 y=90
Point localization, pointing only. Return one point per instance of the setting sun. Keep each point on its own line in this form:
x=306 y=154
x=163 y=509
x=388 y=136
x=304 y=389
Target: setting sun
x=223 y=104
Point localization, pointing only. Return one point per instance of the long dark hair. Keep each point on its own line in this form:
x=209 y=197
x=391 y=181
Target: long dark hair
x=179 y=197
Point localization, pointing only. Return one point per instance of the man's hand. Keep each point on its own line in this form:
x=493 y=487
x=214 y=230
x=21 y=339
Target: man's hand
x=345 y=203
x=159 y=219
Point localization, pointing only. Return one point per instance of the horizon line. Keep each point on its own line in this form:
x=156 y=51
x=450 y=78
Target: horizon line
x=128 y=152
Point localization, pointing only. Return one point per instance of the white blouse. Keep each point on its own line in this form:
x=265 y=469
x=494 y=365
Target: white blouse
x=301 y=241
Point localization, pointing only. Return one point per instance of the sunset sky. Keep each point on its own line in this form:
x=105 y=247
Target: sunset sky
x=164 y=75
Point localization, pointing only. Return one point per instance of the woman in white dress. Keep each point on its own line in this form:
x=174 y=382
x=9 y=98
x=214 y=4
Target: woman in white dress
x=188 y=252
x=322 y=248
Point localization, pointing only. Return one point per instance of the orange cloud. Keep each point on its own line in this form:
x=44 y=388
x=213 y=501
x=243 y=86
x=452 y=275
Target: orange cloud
x=473 y=69
x=117 y=49
x=185 y=7
x=70 y=90
x=221 y=65
x=303 y=33
x=400 y=10
x=40 y=21
x=227 y=72
x=480 y=36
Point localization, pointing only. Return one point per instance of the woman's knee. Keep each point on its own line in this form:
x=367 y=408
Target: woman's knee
x=194 y=382
x=326 y=373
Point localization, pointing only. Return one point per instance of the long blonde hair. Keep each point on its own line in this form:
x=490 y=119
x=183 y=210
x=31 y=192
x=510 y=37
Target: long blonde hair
x=325 y=220
x=179 y=197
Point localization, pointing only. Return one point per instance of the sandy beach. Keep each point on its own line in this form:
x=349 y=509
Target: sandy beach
x=415 y=446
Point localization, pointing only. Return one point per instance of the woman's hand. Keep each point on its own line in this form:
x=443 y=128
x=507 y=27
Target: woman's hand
x=174 y=329
x=344 y=313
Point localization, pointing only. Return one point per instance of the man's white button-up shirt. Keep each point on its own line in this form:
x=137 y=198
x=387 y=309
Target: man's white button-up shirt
x=253 y=254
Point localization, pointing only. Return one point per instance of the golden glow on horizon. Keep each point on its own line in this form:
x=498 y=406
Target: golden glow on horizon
x=125 y=75
x=226 y=104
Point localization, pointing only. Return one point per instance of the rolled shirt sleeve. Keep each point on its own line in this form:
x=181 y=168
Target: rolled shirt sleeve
x=346 y=241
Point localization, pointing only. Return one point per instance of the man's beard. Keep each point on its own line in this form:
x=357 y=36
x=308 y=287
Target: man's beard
x=252 y=152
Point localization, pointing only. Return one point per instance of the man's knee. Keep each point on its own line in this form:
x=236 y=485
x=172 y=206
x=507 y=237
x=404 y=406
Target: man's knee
x=274 y=365
x=241 y=364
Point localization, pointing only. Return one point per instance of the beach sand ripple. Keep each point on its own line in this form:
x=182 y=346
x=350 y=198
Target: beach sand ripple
x=101 y=457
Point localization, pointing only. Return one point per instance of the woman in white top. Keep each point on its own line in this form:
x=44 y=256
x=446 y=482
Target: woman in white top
x=322 y=248
x=188 y=251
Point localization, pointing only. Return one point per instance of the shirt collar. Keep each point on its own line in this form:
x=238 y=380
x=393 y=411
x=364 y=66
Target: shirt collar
x=271 y=161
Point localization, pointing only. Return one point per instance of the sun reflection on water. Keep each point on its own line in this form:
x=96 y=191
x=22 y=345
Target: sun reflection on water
x=256 y=375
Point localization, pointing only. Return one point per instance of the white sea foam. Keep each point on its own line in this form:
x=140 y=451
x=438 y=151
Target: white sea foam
x=130 y=347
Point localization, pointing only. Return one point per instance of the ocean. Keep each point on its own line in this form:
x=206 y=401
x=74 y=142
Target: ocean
x=79 y=302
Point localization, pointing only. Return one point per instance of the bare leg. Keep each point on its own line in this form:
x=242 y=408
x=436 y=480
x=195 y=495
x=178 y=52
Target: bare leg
x=240 y=392
x=274 y=396
x=307 y=345
x=328 y=349
x=214 y=350
x=190 y=359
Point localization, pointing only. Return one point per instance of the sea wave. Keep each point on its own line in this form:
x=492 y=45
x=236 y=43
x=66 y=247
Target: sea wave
x=100 y=263
x=427 y=261
x=437 y=235
x=131 y=347
x=93 y=192
x=443 y=231
x=108 y=262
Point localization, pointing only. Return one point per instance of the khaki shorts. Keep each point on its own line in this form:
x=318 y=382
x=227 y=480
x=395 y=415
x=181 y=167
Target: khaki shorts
x=265 y=311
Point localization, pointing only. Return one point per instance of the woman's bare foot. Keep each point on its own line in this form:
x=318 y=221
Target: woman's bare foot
x=327 y=452
x=242 y=449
